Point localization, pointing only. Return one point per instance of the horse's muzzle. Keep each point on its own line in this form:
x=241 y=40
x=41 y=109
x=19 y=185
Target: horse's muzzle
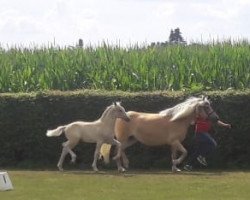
x=213 y=116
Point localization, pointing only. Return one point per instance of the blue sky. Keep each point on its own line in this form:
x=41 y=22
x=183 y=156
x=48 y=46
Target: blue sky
x=29 y=22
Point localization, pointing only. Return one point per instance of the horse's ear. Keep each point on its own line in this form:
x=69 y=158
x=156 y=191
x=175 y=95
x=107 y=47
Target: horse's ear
x=114 y=103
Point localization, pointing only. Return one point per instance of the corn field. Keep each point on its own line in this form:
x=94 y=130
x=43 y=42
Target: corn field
x=215 y=66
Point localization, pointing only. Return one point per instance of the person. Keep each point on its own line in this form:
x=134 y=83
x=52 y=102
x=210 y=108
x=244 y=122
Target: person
x=204 y=144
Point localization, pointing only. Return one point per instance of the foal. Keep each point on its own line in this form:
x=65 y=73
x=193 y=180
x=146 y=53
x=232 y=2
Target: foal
x=99 y=132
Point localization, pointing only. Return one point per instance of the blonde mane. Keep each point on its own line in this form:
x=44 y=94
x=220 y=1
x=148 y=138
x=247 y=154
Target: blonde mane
x=108 y=109
x=181 y=110
x=104 y=114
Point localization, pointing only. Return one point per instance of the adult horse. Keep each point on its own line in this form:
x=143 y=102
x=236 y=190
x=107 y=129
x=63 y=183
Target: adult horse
x=99 y=132
x=166 y=127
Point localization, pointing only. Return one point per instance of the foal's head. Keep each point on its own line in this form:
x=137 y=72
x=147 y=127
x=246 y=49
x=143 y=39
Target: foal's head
x=117 y=111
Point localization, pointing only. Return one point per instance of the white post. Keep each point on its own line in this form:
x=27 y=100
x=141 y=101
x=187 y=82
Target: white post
x=5 y=182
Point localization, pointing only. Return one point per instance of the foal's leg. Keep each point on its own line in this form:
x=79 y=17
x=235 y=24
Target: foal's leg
x=96 y=155
x=72 y=154
x=62 y=157
x=67 y=146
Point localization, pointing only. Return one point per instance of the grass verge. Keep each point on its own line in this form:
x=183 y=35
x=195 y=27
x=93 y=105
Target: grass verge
x=53 y=185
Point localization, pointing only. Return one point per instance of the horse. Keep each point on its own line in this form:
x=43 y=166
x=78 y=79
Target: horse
x=168 y=127
x=99 y=132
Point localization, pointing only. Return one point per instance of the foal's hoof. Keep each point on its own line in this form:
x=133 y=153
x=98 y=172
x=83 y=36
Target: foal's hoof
x=95 y=169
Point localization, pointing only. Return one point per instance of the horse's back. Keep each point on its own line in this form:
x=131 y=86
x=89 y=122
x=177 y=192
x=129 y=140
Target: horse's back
x=143 y=126
x=149 y=128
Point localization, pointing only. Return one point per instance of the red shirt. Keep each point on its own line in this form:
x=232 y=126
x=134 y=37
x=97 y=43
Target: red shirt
x=202 y=125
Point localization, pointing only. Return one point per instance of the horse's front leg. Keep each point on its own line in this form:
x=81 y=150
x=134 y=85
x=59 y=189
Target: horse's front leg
x=177 y=146
x=96 y=155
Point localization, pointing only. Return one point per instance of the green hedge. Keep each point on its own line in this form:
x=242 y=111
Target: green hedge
x=24 y=119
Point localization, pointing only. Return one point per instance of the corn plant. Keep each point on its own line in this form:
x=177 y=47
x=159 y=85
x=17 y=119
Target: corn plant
x=213 y=66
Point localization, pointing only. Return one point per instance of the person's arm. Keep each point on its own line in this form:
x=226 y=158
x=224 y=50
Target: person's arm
x=220 y=123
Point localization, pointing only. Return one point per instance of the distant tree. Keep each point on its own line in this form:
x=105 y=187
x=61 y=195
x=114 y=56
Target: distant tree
x=175 y=37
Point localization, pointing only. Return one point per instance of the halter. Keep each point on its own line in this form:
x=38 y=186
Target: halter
x=208 y=114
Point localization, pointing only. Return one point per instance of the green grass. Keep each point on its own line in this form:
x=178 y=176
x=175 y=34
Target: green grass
x=36 y=185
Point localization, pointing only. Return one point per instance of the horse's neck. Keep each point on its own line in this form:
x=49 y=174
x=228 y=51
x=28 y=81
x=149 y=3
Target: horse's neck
x=189 y=120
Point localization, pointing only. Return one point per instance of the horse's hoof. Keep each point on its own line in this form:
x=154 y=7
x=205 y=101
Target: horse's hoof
x=121 y=170
x=175 y=170
x=60 y=169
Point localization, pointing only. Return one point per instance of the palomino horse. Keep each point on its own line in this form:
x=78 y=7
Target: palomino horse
x=166 y=127
x=99 y=132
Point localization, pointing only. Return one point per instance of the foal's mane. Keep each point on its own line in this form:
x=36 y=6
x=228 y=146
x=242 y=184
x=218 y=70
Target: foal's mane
x=107 y=110
x=104 y=114
x=181 y=110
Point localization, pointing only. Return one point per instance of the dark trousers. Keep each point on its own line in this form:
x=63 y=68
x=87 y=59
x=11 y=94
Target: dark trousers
x=204 y=145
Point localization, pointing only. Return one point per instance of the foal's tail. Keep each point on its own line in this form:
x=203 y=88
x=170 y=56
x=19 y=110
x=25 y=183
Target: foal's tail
x=105 y=152
x=56 y=132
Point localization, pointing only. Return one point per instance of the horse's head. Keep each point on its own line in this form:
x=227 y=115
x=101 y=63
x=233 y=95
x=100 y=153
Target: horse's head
x=119 y=112
x=205 y=110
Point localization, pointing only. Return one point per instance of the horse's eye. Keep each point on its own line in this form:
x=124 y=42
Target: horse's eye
x=207 y=107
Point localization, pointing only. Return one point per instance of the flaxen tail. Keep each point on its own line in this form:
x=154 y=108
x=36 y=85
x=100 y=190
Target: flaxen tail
x=105 y=152
x=56 y=132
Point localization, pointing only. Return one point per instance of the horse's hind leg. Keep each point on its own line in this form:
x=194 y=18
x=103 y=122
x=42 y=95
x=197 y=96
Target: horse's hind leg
x=118 y=149
x=119 y=165
x=124 y=158
x=96 y=155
